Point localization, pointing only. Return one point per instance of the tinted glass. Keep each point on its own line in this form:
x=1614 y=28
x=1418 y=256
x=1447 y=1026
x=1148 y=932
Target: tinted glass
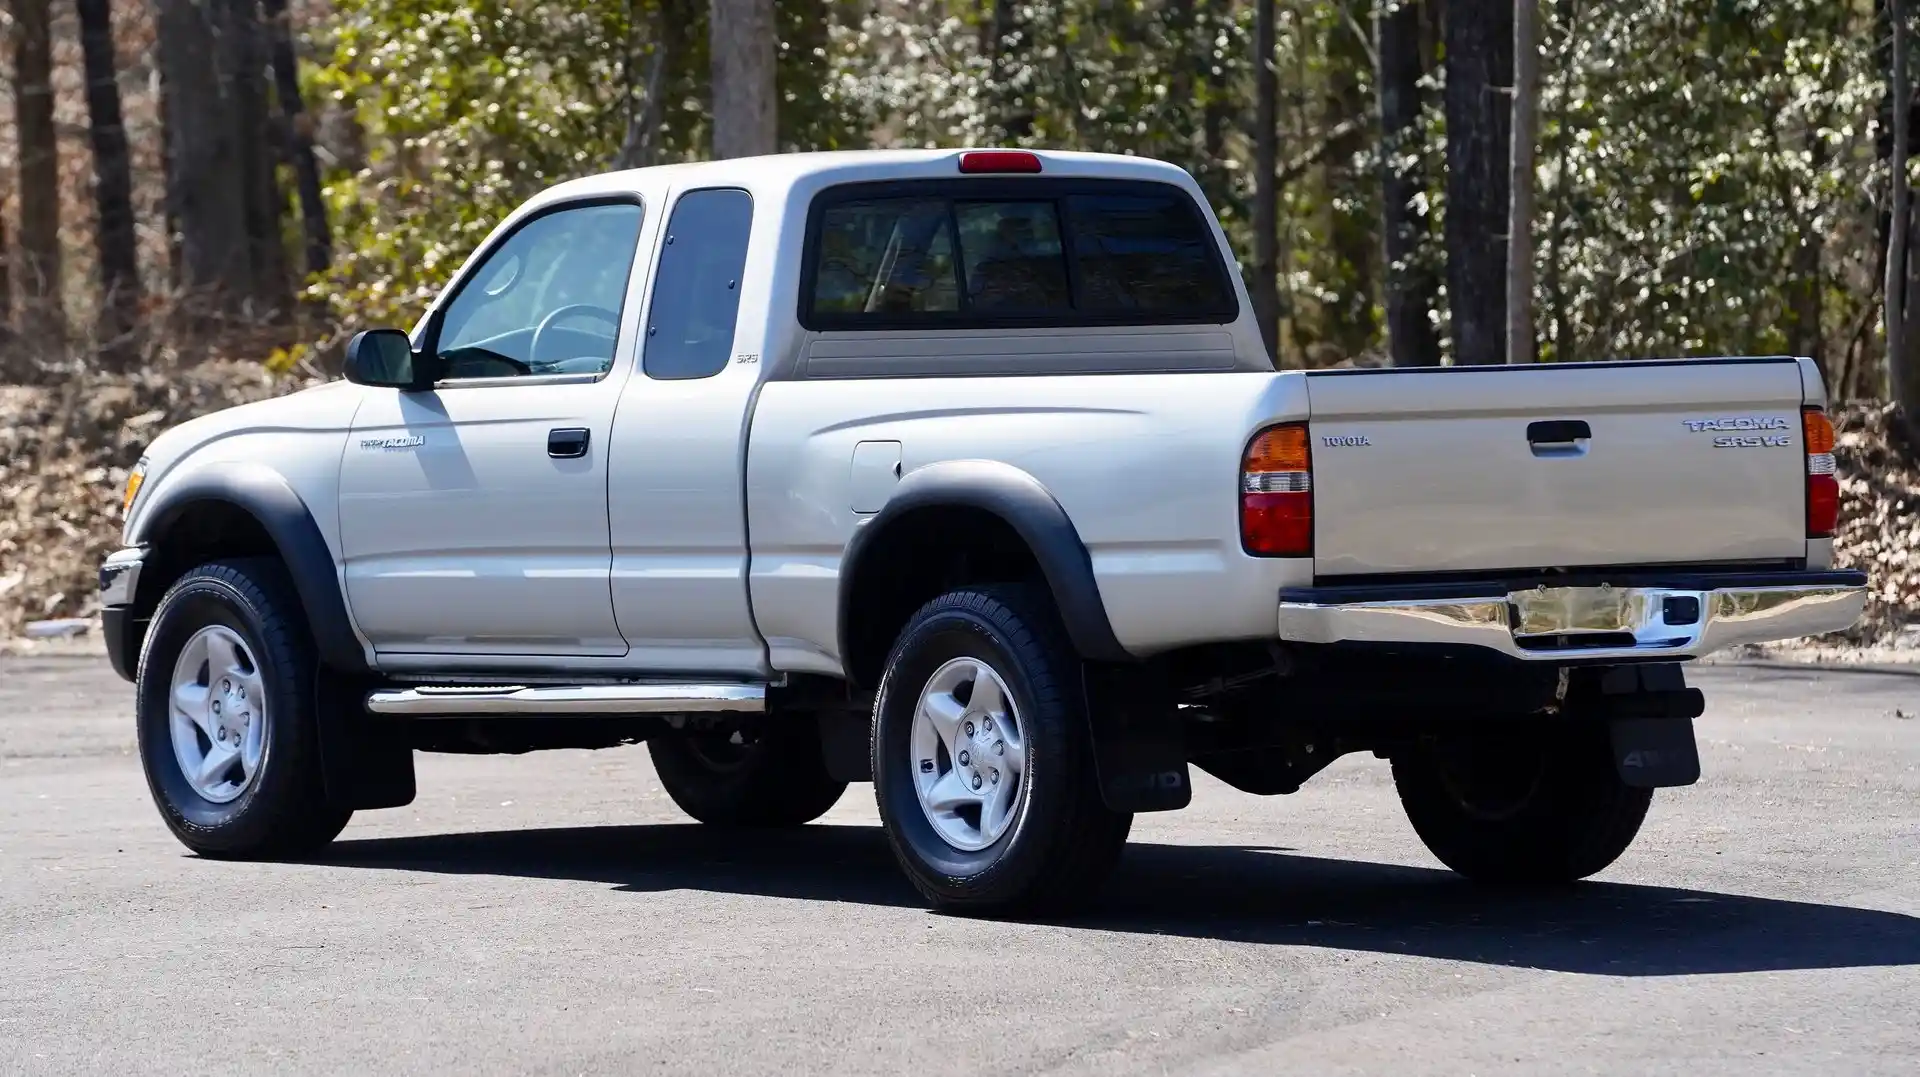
x=696 y=291
x=1082 y=251
x=1011 y=251
x=893 y=256
x=547 y=300
x=1144 y=254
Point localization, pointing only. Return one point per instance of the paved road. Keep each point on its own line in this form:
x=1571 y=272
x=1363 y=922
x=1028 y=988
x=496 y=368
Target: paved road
x=554 y=914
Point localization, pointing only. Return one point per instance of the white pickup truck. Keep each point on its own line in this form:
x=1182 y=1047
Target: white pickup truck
x=964 y=473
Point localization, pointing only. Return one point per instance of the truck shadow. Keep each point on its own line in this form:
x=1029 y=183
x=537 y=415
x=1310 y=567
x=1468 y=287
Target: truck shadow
x=1232 y=893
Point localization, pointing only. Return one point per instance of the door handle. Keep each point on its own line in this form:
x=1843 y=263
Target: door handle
x=1560 y=437
x=568 y=443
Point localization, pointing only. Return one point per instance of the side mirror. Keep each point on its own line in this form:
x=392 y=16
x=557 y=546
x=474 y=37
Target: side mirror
x=385 y=358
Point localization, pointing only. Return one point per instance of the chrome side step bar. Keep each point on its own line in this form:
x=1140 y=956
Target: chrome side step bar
x=460 y=701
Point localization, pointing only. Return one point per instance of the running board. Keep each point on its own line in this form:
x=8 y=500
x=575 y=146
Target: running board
x=458 y=701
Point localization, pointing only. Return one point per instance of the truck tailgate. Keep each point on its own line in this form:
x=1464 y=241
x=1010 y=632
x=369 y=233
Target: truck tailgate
x=1543 y=467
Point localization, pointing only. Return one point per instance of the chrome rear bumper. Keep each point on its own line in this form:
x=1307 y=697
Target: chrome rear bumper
x=1549 y=623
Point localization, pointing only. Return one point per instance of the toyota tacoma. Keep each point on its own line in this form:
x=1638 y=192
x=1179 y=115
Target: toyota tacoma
x=964 y=473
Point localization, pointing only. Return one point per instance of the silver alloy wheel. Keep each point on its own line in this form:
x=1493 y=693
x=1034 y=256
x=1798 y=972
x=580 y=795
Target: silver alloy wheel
x=969 y=755
x=217 y=712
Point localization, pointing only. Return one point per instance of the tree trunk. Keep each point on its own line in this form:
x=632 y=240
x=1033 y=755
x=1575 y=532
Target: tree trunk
x=43 y=318
x=1266 y=232
x=643 y=123
x=1479 y=51
x=745 y=49
x=244 y=40
x=1412 y=290
x=112 y=185
x=1526 y=104
x=1903 y=370
x=206 y=197
x=1347 y=319
x=300 y=126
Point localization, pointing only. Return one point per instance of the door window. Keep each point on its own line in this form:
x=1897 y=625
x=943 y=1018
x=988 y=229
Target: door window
x=696 y=290
x=546 y=300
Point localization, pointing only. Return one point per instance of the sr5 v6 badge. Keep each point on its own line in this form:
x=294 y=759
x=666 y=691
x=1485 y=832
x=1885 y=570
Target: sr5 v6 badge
x=1744 y=441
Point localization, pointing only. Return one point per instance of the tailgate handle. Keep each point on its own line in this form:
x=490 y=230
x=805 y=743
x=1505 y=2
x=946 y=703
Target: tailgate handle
x=1559 y=437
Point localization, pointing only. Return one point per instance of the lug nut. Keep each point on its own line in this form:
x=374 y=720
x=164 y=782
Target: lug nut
x=986 y=724
x=996 y=777
x=226 y=686
x=216 y=706
x=976 y=781
x=965 y=758
x=999 y=747
x=969 y=728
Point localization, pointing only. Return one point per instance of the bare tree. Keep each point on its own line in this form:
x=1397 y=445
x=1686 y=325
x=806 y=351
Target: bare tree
x=1266 y=186
x=38 y=269
x=299 y=137
x=1479 y=60
x=745 y=51
x=646 y=101
x=112 y=183
x=1412 y=289
x=1526 y=106
x=244 y=40
x=1903 y=372
x=206 y=201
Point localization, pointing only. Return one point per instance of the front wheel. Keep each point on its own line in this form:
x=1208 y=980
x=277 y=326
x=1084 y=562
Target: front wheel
x=982 y=759
x=1541 y=807
x=225 y=712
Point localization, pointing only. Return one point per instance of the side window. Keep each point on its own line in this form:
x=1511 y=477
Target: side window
x=547 y=300
x=696 y=290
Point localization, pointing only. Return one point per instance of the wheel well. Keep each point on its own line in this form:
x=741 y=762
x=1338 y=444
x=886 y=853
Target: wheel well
x=199 y=532
x=922 y=555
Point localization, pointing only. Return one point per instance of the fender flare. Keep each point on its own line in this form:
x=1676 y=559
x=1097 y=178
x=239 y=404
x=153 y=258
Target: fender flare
x=1019 y=499
x=263 y=494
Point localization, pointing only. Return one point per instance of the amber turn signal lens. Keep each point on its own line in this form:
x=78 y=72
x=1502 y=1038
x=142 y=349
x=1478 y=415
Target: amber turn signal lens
x=1819 y=430
x=1283 y=448
x=133 y=489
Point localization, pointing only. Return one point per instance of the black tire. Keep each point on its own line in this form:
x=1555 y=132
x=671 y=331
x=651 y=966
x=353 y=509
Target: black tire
x=283 y=811
x=1517 y=809
x=1063 y=840
x=771 y=775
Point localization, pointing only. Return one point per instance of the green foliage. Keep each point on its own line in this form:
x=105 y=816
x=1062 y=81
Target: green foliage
x=1706 y=171
x=1706 y=167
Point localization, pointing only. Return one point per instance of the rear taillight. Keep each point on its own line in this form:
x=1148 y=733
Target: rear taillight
x=1823 y=490
x=1276 y=494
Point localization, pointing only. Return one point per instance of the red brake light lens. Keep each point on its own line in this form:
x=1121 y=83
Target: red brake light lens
x=1276 y=493
x=983 y=161
x=1823 y=488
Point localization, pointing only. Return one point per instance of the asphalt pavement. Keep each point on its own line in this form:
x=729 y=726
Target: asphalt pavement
x=555 y=914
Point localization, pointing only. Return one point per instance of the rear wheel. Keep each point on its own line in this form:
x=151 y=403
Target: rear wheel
x=225 y=714
x=982 y=761
x=769 y=775
x=1547 y=807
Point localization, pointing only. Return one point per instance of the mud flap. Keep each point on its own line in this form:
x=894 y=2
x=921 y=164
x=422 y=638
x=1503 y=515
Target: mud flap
x=1139 y=753
x=1655 y=753
x=366 y=761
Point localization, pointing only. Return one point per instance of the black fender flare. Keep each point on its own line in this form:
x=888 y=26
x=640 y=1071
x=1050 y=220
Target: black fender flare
x=1019 y=499
x=263 y=494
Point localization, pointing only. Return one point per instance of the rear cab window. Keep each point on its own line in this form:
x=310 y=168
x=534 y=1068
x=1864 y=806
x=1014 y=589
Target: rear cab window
x=1005 y=253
